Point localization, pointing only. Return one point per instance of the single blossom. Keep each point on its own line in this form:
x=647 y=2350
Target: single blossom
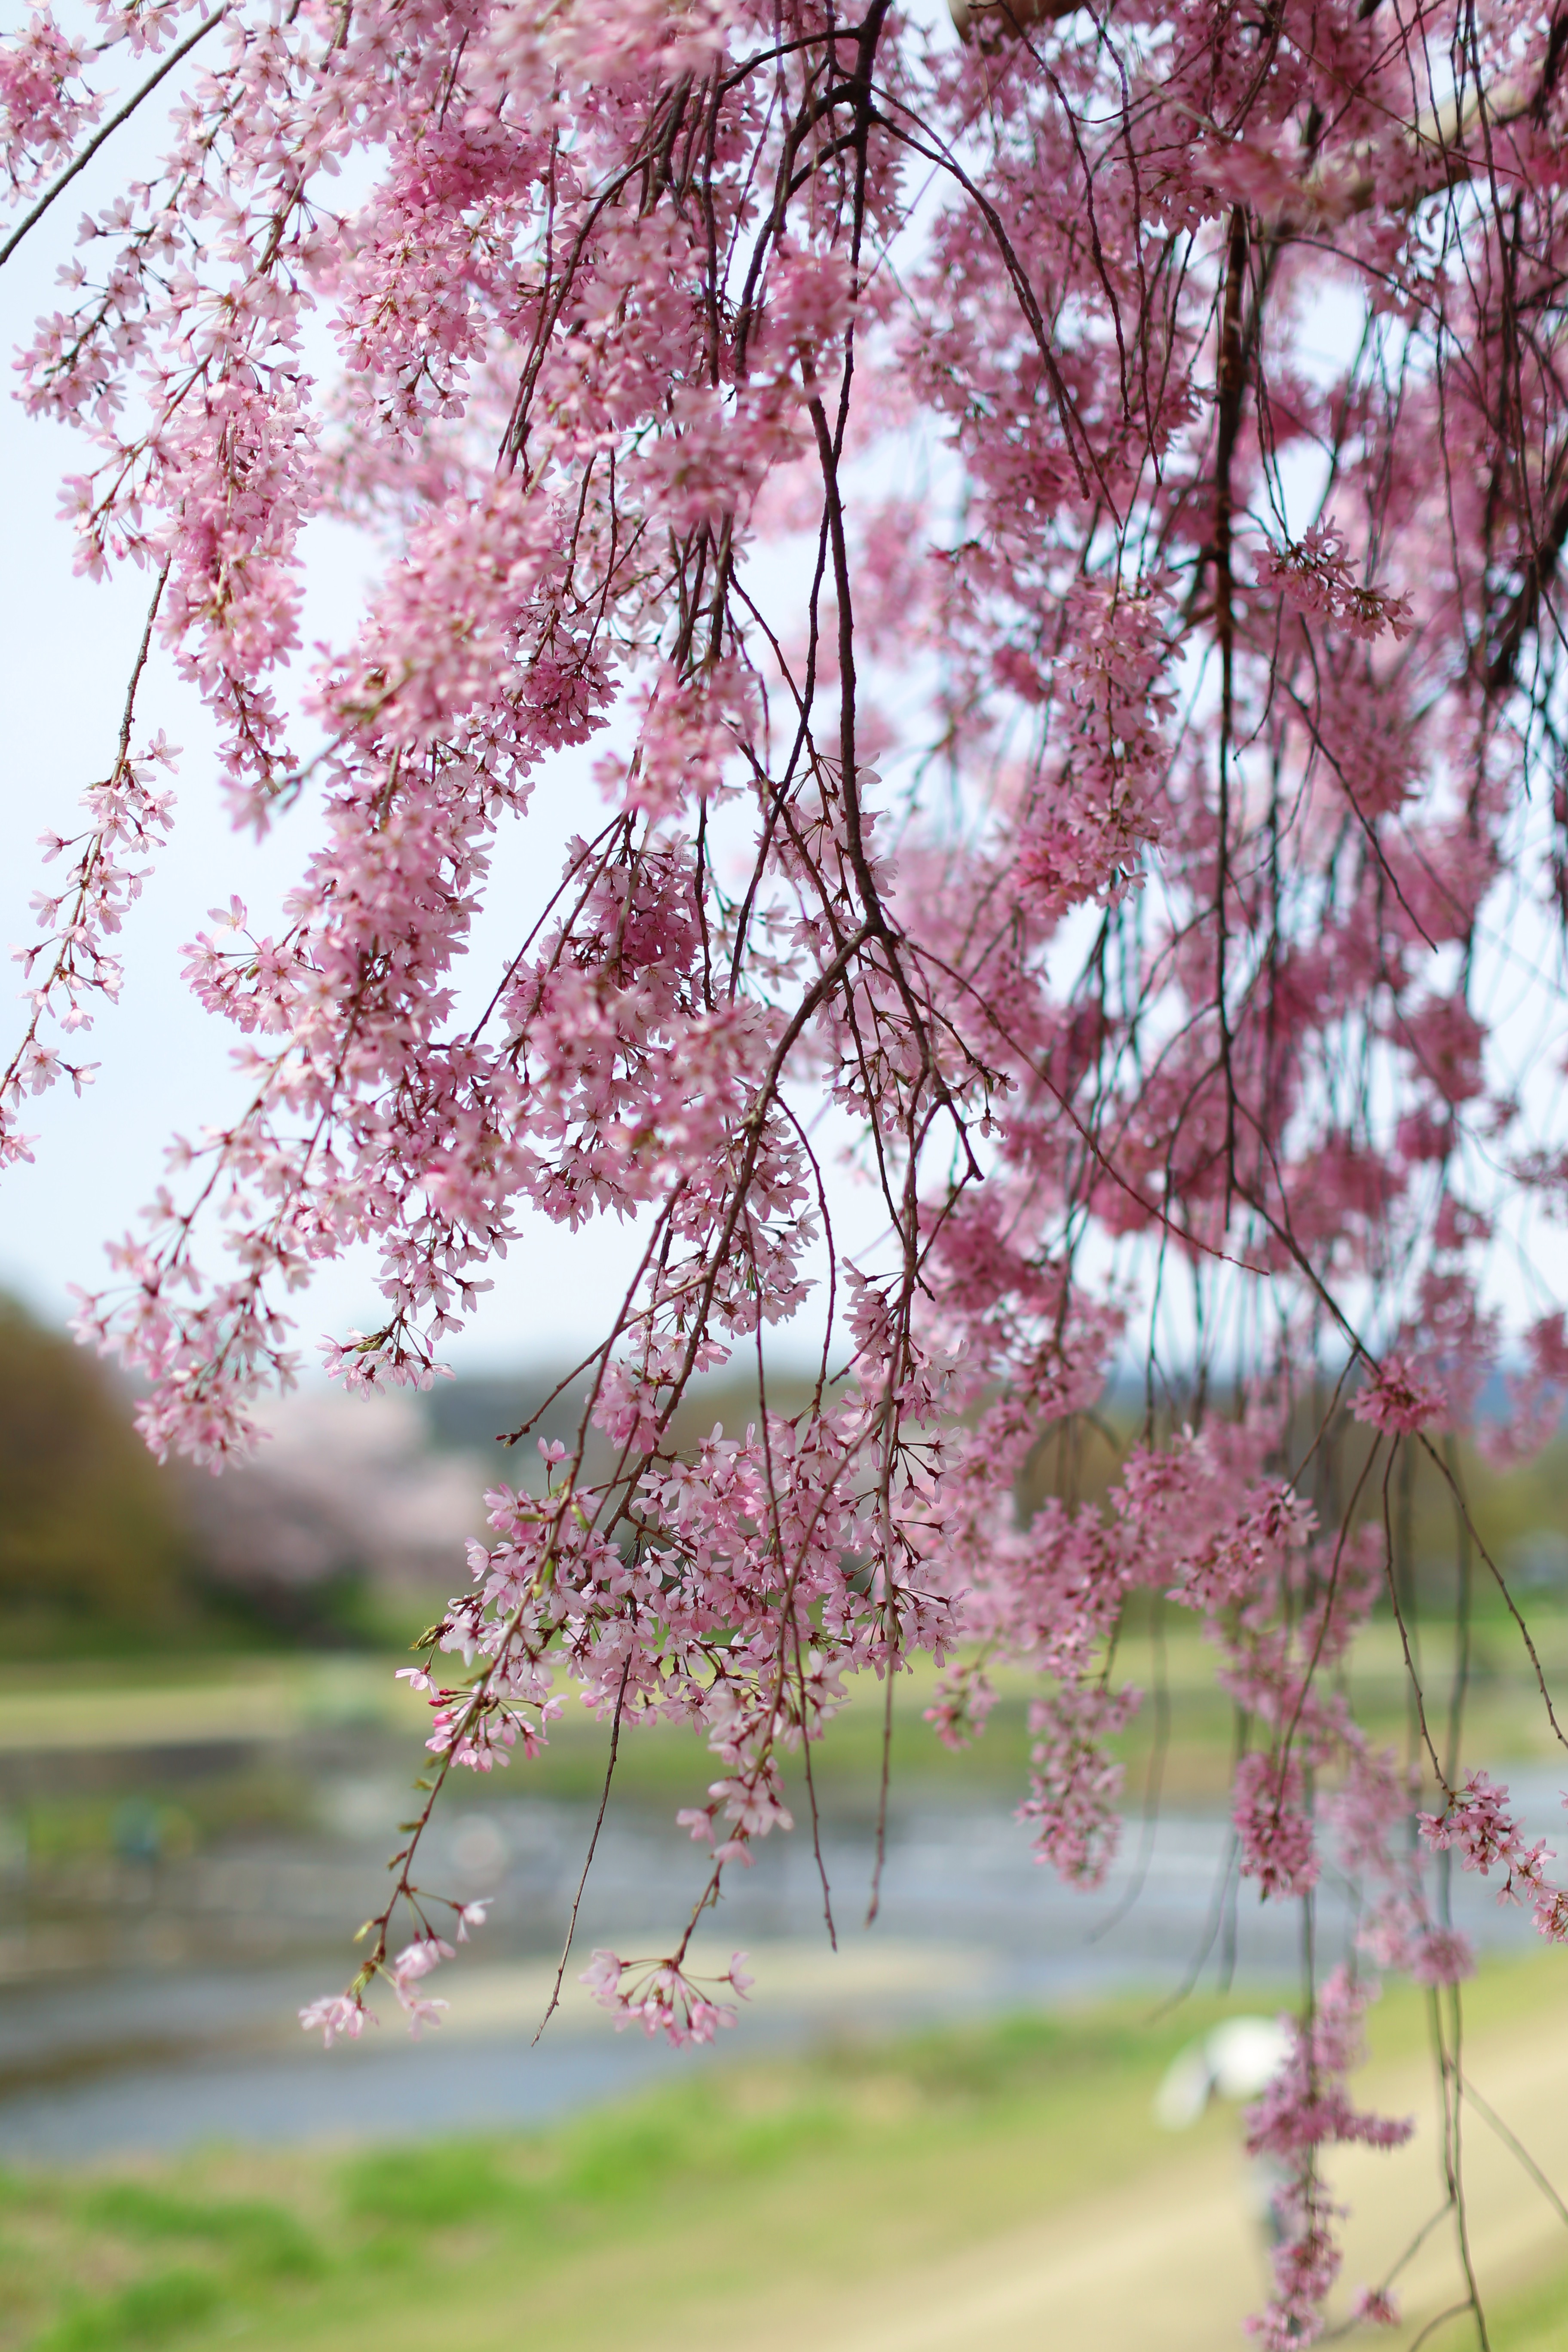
x=335 y=2014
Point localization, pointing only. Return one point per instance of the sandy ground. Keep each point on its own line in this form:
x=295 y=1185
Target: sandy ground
x=1173 y=2263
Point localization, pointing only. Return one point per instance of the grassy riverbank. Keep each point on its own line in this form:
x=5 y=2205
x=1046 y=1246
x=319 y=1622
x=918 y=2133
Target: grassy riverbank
x=693 y=2214
x=1184 y=1734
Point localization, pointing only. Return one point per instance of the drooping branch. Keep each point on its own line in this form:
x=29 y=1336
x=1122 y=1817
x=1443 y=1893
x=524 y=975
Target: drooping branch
x=1095 y=822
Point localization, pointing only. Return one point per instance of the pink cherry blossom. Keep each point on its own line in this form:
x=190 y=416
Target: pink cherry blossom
x=1064 y=757
x=662 y=1997
x=1397 y=1399
x=1307 y=2108
x=1278 y=1847
x=1476 y=1823
x=335 y=2014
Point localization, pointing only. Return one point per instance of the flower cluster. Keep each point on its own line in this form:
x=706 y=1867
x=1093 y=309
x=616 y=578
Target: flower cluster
x=74 y=964
x=1476 y=1822
x=45 y=101
x=1397 y=1399
x=1316 y=576
x=1074 y=1783
x=1304 y=2109
x=346 y=2015
x=662 y=1997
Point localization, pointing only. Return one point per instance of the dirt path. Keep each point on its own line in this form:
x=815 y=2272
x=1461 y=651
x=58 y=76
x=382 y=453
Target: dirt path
x=1172 y=2263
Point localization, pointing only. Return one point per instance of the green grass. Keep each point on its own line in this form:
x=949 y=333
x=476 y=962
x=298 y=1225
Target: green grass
x=1536 y=2321
x=271 y=1780
x=700 y=2195
x=915 y=2144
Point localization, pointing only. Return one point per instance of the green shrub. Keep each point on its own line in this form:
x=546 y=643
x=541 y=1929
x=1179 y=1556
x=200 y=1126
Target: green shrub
x=431 y=2186
x=151 y=2310
x=263 y=2239
x=89 y=1526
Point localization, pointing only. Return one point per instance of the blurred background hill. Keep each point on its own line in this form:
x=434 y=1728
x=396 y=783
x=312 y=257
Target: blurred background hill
x=347 y=1528
x=95 y=1551
x=345 y=1531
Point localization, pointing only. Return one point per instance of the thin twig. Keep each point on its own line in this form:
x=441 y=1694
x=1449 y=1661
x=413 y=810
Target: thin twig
x=593 y=1846
x=58 y=187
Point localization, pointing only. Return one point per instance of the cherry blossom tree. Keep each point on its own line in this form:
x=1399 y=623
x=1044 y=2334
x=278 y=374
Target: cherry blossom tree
x=1050 y=524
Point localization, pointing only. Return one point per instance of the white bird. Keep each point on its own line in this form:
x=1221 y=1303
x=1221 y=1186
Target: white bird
x=1237 y=2061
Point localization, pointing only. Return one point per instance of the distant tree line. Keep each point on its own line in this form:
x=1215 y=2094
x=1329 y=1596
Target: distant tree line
x=104 y=1550
x=92 y=1540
